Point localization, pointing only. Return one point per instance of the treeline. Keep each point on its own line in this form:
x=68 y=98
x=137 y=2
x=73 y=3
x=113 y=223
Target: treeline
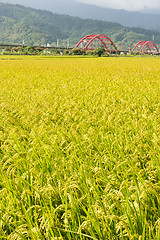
x=32 y=50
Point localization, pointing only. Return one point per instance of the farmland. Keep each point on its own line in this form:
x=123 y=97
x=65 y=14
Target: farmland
x=79 y=148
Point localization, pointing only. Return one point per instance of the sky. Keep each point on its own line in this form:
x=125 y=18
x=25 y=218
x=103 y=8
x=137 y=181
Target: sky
x=130 y=5
x=125 y=4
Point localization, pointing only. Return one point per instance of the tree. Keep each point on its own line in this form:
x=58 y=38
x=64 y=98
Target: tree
x=77 y=51
x=99 y=51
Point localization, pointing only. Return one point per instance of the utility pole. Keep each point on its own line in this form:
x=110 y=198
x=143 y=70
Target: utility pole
x=153 y=38
x=67 y=43
x=129 y=48
x=57 y=43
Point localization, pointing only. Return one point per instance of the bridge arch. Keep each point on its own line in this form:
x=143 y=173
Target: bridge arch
x=145 y=47
x=91 y=42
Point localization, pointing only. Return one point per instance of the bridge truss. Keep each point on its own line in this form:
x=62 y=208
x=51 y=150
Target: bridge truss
x=91 y=42
x=146 y=47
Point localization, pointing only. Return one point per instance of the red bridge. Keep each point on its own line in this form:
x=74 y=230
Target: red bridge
x=146 y=47
x=91 y=42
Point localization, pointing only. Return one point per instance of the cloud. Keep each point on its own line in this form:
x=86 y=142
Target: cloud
x=131 y=5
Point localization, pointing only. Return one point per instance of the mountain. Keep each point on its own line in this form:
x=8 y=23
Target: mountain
x=149 y=19
x=38 y=27
x=151 y=11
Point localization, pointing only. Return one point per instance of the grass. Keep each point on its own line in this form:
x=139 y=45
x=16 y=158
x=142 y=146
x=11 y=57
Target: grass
x=79 y=148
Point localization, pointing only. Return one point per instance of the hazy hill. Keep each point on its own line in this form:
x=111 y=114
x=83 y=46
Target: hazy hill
x=147 y=20
x=18 y=23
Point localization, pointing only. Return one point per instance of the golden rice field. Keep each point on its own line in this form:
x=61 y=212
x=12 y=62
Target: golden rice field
x=79 y=148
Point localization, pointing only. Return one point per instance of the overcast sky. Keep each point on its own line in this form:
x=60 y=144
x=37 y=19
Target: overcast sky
x=125 y=4
x=130 y=5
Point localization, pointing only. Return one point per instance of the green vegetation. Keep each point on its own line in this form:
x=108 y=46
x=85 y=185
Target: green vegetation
x=37 y=27
x=79 y=148
x=99 y=51
x=32 y=50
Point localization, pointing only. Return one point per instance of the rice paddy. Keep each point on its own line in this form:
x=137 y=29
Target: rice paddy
x=79 y=148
